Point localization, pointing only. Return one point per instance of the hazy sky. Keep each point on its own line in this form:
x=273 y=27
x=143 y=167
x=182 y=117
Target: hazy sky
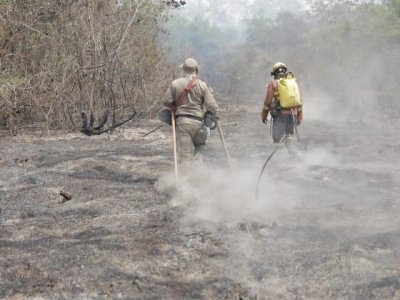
x=232 y=12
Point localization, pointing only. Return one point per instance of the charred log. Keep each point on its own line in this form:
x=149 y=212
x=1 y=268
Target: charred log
x=102 y=121
x=98 y=130
x=88 y=126
x=84 y=121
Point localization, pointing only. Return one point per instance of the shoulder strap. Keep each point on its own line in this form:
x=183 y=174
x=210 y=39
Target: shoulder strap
x=275 y=85
x=289 y=73
x=187 y=89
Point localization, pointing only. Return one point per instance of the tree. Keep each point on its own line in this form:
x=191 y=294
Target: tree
x=63 y=57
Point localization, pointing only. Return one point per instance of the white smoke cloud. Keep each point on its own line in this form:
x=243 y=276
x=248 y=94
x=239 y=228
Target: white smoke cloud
x=215 y=194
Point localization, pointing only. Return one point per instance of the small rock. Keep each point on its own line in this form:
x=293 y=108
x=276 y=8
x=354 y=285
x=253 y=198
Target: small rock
x=66 y=196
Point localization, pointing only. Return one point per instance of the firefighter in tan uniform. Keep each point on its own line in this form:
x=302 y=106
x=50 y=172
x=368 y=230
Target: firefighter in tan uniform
x=190 y=97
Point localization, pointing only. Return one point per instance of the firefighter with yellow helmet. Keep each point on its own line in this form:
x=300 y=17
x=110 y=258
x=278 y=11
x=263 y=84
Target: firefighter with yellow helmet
x=283 y=103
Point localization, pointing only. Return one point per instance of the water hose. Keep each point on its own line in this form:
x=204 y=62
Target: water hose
x=265 y=165
x=262 y=171
x=273 y=152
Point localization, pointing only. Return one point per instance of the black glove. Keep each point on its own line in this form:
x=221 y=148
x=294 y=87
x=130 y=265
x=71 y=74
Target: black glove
x=210 y=120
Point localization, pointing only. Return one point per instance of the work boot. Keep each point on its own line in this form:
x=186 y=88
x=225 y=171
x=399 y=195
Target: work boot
x=199 y=153
x=279 y=146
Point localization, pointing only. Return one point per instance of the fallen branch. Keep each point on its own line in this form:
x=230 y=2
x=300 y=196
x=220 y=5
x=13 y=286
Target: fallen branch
x=90 y=132
x=154 y=130
x=198 y=233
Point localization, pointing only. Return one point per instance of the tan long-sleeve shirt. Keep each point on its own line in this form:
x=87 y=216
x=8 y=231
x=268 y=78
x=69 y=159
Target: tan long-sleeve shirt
x=199 y=99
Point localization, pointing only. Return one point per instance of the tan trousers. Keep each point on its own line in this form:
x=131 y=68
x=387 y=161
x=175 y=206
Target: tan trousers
x=186 y=130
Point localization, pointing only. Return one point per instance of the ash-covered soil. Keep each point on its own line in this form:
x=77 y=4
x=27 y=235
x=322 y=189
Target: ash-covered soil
x=326 y=224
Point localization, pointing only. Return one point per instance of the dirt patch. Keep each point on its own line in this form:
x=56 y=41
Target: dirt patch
x=325 y=227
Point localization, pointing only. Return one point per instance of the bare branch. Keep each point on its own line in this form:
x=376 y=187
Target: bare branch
x=128 y=27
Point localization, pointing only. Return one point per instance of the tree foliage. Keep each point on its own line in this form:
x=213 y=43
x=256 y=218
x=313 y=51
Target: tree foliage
x=103 y=57
x=346 y=48
x=59 y=58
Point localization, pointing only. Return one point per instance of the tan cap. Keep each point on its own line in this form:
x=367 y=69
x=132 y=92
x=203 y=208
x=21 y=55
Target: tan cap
x=190 y=65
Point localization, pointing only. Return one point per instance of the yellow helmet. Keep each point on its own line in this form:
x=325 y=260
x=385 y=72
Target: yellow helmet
x=281 y=67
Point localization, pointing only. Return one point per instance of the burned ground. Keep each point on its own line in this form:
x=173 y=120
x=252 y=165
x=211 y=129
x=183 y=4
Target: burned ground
x=325 y=227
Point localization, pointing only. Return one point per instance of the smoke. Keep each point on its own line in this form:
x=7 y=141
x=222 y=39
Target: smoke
x=341 y=186
x=319 y=106
x=215 y=194
x=314 y=207
x=309 y=182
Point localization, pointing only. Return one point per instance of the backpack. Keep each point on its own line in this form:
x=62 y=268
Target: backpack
x=288 y=92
